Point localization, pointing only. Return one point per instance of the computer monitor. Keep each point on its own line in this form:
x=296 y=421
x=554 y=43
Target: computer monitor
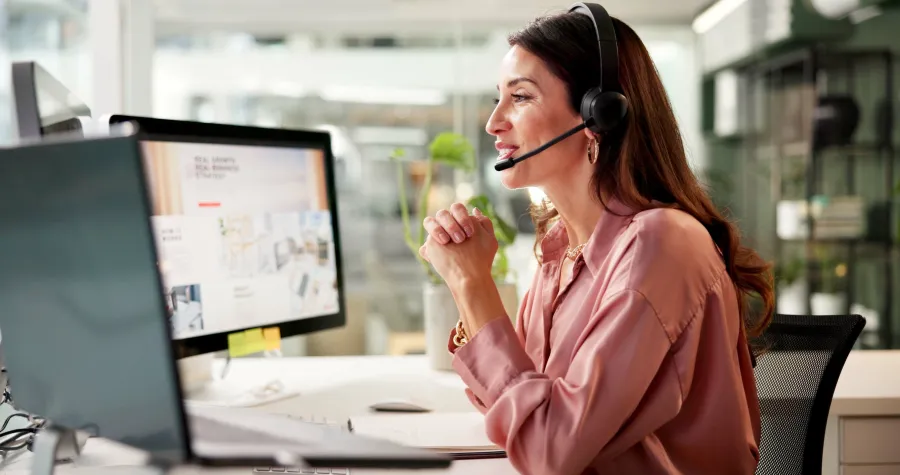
x=84 y=318
x=43 y=105
x=246 y=227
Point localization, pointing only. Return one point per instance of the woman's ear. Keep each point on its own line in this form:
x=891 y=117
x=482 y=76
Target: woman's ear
x=589 y=134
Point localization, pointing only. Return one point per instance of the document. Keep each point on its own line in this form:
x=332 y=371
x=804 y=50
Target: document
x=458 y=433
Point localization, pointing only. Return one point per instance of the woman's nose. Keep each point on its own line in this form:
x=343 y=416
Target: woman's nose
x=497 y=122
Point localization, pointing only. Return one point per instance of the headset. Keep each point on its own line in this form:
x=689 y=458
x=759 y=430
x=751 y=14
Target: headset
x=603 y=107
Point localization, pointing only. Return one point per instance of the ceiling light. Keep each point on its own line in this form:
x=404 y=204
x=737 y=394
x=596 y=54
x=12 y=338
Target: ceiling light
x=715 y=14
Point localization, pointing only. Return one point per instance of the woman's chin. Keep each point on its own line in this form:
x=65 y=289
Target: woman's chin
x=512 y=179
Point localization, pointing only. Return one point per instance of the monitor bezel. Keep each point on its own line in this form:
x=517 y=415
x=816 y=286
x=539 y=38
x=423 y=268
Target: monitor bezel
x=27 y=78
x=167 y=130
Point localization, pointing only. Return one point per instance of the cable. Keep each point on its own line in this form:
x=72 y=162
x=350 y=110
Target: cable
x=24 y=430
x=17 y=439
x=7 y=396
x=18 y=414
x=21 y=439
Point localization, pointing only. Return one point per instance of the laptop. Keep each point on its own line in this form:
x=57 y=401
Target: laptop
x=85 y=334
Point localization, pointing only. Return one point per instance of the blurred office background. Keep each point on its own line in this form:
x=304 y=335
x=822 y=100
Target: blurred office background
x=786 y=108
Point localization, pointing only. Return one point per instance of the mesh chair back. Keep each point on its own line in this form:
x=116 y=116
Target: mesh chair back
x=801 y=361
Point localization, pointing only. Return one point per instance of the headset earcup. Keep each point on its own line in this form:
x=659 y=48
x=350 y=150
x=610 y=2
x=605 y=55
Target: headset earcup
x=611 y=107
x=603 y=110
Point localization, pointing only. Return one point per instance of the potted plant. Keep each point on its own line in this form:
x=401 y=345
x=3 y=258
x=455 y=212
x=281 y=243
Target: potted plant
x=791 y=289
x=503 y=275
x=440 y=311
x=830 y=299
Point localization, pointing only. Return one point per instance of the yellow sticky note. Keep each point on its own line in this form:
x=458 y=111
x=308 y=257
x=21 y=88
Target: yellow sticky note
x=273 y=338
x=254 y=341
x=236 y=345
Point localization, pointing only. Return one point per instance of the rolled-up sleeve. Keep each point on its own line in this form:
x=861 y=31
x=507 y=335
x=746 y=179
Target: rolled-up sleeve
x=621 y=385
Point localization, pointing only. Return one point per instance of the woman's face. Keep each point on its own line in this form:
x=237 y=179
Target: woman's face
x=532 y=109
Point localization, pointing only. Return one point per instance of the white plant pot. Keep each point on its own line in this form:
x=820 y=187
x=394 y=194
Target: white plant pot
x=828 y=304
x=441 y=316
x=509 y=295
x=791 y=299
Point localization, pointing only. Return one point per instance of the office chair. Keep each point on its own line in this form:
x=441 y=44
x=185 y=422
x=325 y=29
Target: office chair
x=796 y=373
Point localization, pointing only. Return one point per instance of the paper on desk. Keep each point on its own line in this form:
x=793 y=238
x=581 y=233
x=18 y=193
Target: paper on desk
x=439 y=431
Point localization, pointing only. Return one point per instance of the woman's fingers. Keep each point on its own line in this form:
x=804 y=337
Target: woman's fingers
x=484 y=221
x=465 y=221
x=448 y=222
x=436 y=231
x=453 y=225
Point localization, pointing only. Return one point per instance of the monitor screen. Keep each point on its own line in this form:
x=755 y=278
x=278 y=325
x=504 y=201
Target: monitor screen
x=244 y=234
x=246 y=226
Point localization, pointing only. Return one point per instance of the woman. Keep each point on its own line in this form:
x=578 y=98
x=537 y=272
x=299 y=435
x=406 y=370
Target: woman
x=629 y=353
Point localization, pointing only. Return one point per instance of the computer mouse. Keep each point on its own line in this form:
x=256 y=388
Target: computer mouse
x=398 y=406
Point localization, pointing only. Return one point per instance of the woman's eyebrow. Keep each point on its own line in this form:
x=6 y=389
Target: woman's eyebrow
x=512 y=82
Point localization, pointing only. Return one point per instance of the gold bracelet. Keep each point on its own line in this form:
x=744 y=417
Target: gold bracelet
x=460 y=338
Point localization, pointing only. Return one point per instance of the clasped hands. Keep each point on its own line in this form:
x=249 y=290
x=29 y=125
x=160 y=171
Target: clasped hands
x=460 y=246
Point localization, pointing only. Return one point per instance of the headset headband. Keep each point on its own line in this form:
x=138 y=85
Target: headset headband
x=606 y=38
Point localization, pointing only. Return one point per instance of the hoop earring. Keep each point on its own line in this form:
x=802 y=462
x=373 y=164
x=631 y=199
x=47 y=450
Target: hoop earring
x=593 y=150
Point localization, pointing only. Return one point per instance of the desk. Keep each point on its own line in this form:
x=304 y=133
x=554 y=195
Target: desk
x=864 y=424
x=339 y=387
x=334 y=388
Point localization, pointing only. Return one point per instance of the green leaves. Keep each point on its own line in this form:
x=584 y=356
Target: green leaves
x=504 y=232
x=790 y=271
x=454 y=150
x=397 y=154
x=500 y=268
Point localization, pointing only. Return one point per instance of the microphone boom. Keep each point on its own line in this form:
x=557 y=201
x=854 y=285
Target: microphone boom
x=508 y=163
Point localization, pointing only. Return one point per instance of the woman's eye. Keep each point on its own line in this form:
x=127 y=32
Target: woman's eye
x=516 y=98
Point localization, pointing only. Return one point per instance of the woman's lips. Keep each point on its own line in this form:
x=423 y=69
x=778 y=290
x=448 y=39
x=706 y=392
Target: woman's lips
x=505 y=153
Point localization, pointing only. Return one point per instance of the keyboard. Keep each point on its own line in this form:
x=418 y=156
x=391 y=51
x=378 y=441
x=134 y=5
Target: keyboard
x=317 y=471
x=212 y=430
x=329 y=471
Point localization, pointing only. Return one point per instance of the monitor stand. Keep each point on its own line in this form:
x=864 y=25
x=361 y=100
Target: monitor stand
x=54 y=444
x=201 y=386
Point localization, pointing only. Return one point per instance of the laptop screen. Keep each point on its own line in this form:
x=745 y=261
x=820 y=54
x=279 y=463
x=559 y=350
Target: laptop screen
x=85 y=336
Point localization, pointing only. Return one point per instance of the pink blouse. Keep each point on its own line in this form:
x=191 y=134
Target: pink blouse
x=638 y=366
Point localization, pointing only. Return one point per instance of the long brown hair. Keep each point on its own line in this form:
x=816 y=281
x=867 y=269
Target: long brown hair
x=642 y=159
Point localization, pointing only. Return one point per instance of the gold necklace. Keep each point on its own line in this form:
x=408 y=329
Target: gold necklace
x=574 y=252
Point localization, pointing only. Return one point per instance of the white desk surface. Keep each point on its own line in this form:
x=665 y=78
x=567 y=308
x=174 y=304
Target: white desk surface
x=869 y=385
x=341 y=387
